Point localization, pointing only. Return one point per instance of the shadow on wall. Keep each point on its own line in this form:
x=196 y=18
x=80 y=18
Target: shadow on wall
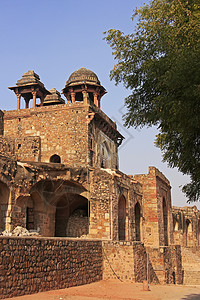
x=4 y=199
x=152 y=275
x=191 y=297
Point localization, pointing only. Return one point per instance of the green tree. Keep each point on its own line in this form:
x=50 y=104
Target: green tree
x=160 y=64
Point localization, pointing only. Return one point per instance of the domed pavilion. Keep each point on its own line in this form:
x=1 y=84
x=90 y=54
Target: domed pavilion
x=84 y=85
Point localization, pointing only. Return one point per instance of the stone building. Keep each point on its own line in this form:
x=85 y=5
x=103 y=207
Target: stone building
x=59 y=176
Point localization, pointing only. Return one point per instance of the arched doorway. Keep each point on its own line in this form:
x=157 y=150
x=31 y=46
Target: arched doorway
x=137 y=222
x=4 y=200
x=122 y=218
x=55 y=159
x=189 y=240
x=165 y=222
x=30 y=222
x=175 y=224
x=105 y=156
x=176 y=230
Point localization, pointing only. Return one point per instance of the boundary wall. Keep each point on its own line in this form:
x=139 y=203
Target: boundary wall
x=30 y=265
x=35 y=264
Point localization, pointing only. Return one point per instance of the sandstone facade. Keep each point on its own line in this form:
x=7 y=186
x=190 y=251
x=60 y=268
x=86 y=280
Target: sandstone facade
x=59 y=176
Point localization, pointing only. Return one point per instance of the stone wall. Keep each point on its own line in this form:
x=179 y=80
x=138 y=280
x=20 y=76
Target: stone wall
x=7 y=147
x=77 y=225
x=63 y=130
x=28 y=148
x=30 y=265
x=131 y=261
x=126 y=261
x=165 y=265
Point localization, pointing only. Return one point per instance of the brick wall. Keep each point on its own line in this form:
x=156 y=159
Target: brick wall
x=156 y=188
x=100 y=211
x=30 y=265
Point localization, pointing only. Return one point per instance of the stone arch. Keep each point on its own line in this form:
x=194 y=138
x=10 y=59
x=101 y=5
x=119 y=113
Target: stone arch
x=189 y=235
x=165 y=222
x=122 y=217
x=53 y=203
x=55 y=159
x=137 y=222
x=105 y=155
x=4 y=202
x=175 y=224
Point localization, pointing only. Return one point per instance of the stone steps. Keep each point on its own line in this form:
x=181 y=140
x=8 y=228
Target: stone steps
x=191 y=267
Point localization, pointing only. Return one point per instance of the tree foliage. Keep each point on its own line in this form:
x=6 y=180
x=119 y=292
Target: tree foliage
x=160 y=64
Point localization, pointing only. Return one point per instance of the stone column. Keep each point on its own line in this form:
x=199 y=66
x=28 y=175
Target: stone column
x=18 y=100
x=34 y=98
x=99 y=103
x=85 y=97
x=73 y=95
x=95 y=98
x=42 y=101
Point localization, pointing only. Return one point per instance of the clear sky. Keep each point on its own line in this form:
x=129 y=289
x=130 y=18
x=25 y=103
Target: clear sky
x=55 y=38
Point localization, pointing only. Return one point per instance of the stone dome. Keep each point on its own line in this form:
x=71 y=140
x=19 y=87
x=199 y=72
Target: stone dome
x=83 y=74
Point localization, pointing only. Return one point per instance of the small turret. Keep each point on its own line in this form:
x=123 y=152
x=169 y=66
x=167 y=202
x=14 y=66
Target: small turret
x=30 y=87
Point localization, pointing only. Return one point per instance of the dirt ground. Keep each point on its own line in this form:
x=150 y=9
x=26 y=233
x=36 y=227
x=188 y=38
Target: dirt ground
x=116 y=290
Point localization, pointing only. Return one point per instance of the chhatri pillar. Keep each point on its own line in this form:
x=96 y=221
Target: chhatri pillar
x=95 y=98
x=18 y=100
x=85 y=97
x=34 y=93
x=73 y=97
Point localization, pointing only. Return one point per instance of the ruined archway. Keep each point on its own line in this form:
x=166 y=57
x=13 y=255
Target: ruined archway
x=4 y=201
x=165 y=222
x=122 y=218
x=54 y=201
x=137 y=222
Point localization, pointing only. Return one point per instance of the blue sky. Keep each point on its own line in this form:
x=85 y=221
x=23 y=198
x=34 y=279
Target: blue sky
x=55 y=38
